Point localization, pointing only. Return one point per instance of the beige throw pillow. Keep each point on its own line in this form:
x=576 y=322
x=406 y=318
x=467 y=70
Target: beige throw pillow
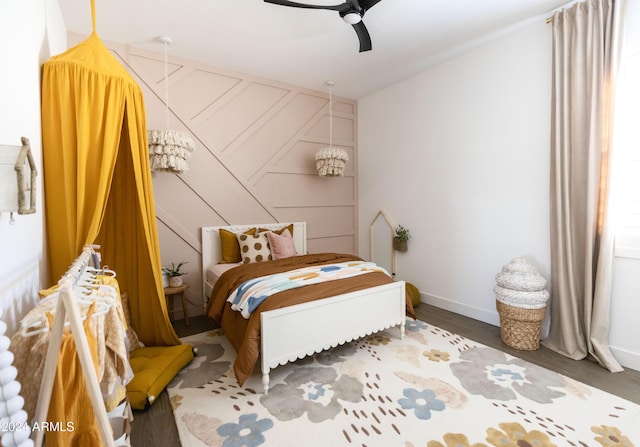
x=254 y=247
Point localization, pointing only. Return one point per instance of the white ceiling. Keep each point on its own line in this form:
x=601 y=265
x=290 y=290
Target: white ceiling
x=306 y=47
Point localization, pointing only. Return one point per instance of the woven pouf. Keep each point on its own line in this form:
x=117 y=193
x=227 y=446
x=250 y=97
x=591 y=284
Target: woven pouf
x=413 y=292
x=521 y=303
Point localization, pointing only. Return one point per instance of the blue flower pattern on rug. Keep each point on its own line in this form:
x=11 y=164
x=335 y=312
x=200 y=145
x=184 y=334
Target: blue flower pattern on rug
x=415 y=325
x=248 y=432
x=318 y=392
x=506 y=375
x=421 y=402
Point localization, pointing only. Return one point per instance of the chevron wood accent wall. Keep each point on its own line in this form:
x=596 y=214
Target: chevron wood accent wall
x=254 y=158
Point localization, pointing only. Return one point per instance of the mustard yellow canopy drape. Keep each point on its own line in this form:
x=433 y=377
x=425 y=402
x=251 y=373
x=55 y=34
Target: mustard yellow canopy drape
x=97 y=178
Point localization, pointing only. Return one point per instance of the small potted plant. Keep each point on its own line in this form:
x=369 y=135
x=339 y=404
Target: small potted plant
x=400 y=238
x=174 y=273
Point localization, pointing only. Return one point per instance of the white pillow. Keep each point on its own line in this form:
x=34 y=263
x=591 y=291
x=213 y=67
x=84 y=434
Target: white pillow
x=254 y=247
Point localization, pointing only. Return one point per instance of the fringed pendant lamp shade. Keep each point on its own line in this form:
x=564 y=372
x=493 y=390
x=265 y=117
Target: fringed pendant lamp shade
x=169 y=149
x=331 y=161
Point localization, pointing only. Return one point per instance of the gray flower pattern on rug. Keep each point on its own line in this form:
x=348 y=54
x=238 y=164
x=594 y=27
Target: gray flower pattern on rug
x=336 y=355
x=316 y=391
x=204 y=368
x=495 y=375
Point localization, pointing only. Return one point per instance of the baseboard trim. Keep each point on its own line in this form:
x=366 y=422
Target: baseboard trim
x=462 y=309
x=626 y=358
x=489 y=317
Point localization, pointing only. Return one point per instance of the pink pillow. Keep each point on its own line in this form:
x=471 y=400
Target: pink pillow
x=282 y=245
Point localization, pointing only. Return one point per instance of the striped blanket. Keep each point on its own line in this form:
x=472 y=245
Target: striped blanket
x=251 y=293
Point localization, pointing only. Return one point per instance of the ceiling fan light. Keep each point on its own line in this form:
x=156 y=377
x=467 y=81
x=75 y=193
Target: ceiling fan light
x=352 y=18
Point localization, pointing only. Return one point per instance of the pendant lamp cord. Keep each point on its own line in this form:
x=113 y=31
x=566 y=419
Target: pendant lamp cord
x=166 y=82
x=330 y=116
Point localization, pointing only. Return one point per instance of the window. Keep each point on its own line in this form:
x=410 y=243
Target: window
x=626 y=168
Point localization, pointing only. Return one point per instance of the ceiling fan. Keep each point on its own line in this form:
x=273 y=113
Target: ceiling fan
x=351 y=11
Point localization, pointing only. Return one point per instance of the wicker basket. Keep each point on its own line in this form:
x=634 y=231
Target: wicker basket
x=520 y=327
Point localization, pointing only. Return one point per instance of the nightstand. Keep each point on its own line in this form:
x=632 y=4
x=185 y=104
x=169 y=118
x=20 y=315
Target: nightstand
x=170 y=293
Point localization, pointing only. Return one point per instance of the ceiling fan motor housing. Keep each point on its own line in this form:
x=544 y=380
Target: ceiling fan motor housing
x=351 y=17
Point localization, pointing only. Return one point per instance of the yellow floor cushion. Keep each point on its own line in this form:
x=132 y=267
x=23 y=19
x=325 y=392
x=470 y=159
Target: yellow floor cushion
x=153 y=368
x=413 y=293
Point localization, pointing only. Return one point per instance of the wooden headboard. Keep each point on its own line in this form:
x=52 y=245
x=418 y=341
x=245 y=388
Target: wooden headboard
x=211 y=248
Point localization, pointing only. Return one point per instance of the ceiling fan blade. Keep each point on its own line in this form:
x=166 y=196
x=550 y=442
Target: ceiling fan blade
x=363 y=36
x=303 y=5
x=346 y=10
x=368 y=4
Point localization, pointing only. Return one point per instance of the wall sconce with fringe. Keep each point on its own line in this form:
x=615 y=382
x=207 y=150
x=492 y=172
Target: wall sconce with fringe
x=331 y=161
x=169 y=149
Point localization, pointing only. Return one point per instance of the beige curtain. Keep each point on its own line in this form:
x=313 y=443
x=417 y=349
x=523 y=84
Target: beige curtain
x=587 y=47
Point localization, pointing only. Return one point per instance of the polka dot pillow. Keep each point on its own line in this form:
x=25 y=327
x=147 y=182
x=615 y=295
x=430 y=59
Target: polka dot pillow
x=254 y=247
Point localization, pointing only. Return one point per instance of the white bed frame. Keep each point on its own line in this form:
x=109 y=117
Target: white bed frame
x=294 y=332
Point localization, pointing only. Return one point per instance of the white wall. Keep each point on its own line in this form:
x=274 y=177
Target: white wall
x=460 y=155
x=30 y=32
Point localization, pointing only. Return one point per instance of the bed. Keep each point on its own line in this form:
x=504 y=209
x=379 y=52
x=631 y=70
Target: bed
x=295 y=324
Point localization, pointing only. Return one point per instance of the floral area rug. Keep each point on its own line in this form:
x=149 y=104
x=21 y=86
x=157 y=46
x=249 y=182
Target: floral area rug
x=432 y=389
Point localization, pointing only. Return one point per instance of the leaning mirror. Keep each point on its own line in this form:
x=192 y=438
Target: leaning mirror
x=381 y=241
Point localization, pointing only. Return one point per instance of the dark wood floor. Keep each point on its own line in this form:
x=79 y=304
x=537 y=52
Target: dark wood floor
x=156 y=426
